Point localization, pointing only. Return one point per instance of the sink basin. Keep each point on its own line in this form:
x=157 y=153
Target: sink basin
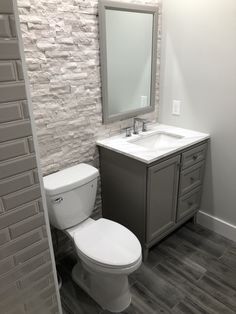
x=158 y=140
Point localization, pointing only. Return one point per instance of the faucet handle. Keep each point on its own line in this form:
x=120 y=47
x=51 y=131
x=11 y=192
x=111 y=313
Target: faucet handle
x=128 y=131
x=144 y=127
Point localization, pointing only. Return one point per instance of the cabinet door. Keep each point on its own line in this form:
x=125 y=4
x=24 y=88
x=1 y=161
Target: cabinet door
x=162 y=193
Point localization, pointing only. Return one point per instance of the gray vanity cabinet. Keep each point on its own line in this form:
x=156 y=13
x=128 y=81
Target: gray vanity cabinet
x=153 y=199
x=162 y=192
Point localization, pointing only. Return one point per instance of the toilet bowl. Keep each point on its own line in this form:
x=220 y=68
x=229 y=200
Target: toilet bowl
x=107 y=261
x=107 y=251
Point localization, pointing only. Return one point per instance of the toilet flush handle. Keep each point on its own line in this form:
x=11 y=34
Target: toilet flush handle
x=58 y=200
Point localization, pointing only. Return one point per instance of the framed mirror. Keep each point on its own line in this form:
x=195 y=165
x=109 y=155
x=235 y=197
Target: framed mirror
x=128 y=45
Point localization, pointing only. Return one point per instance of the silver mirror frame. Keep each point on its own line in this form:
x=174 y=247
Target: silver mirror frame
x=130 y=7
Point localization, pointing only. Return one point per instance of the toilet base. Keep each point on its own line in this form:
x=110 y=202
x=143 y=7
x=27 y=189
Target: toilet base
x=110 y=291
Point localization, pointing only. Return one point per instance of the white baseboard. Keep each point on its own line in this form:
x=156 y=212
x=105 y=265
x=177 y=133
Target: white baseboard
x=217 y=225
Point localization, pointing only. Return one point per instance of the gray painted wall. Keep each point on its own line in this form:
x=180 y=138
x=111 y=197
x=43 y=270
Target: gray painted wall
x=198 y=67
x=26 y=276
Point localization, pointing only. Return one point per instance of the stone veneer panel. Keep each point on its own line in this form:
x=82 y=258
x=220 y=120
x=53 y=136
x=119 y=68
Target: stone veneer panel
x=62 y=55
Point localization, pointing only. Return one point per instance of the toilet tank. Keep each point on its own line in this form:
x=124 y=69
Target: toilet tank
x=71 y=195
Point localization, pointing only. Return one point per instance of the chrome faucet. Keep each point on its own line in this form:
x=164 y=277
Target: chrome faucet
x=128 y=131
x=136 y=124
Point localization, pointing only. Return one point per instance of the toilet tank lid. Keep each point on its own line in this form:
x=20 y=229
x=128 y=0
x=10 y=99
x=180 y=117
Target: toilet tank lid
x=69 y=179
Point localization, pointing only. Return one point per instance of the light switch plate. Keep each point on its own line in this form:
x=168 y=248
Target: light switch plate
x=176 y=107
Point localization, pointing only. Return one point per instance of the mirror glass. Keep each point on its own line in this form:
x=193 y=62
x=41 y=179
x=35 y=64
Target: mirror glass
x=128 y=59
x=129 y=55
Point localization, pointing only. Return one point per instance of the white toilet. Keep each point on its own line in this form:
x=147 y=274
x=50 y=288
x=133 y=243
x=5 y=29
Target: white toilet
x=108 y=251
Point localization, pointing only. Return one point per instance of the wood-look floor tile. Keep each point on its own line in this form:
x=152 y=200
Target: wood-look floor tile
x=213 y=265
x=209 y=235
x=188 y=306
x=65 y=310
x=153 y=259
x=201 y=242
x=189 y=289
x=172 y=240
x=77 y=301
x=228 y=280
x=229 y=258
x=183 y=265
x=219 y=291
x=159 y=287
x=143 y=302
x=139 y=292
x=74 y=299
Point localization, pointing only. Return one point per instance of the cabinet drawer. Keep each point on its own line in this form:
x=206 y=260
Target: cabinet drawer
x=188 y=203
x=193 y=156
x=191 y=177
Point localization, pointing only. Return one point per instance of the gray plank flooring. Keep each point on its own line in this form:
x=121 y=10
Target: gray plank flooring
x=191 y=271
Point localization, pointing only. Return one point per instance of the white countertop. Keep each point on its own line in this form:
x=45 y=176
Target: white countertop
x=125 y=145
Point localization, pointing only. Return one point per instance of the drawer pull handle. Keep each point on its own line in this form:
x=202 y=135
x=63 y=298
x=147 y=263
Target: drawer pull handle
x=192 y=179
x=190 y=204
x=195 y=157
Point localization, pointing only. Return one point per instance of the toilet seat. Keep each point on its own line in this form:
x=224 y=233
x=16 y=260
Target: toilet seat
x=94 y=266
x=107 y=244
